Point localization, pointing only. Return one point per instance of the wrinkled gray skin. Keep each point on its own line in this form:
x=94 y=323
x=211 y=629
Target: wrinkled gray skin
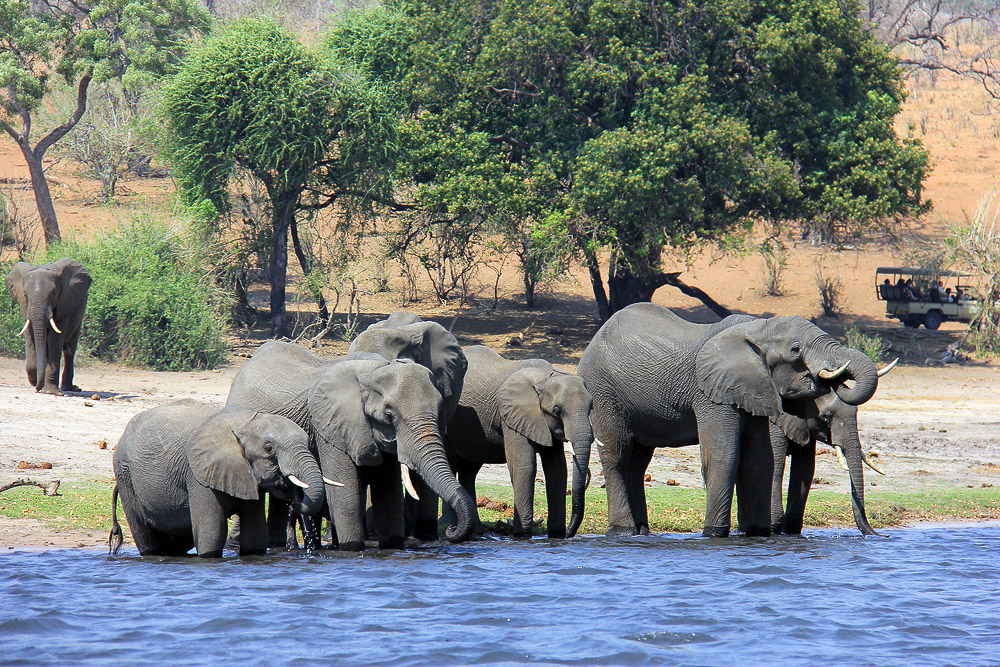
x=661 y=381
x=56 y=291
x=364 y=416
x=404 y=335
x=183 y=469
x=831 y=421
x=511 y=411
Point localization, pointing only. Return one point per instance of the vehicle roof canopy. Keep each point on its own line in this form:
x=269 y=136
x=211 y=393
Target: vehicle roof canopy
x=913 y=271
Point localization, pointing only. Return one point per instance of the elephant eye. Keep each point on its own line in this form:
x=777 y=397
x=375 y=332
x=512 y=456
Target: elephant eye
x=796 y=349
x=557 y=411
x=268 y=448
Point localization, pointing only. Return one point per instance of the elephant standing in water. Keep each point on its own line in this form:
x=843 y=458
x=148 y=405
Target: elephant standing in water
x=52 y=298
x=364 y=416
x=404 y=335
x=661 y=381
x=509 y=412
x=182 y=469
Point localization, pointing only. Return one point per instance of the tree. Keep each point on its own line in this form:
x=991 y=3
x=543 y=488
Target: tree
x=81 y=41
x=314 y=133
x=653 y=125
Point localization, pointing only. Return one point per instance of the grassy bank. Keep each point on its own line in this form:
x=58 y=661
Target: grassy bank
x=87 y=506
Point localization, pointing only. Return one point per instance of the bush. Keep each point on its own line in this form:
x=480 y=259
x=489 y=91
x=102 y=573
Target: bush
x=873 y=346
x=150 y=305
x=831 y=292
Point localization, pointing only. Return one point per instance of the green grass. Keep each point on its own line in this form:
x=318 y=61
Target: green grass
x=82 y=506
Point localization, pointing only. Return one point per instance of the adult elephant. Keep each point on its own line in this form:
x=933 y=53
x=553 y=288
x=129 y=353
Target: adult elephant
x=511 y=411
x=52 y=298
x=661 y=381
x=834 y=422
x=404 y=335
x=182 y=469
x=364 y=416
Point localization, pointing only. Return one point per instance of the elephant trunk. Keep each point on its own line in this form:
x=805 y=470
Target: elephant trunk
x=844 y=433
x=852 y=364
x=421 y=449
x=39 y=331
x=298 y=461
x=581 y=434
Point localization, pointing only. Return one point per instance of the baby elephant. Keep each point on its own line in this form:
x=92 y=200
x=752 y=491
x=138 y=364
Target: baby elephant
x=183 y=469
x=509 y=411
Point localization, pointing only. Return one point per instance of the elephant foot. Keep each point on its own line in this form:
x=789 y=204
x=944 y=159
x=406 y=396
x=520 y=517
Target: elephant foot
x=209 y=554
x=50 y=389
x=715 y=531
x=71 y=387
x=394 y=543
x=621 y=531
x=757 y=531
x=352 y=546
x=557 y=535
x=426 y=530
x=644 y=530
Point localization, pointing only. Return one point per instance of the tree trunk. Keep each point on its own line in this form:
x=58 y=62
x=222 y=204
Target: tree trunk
x=281 y=219
x=597 y=282
x=324 y=313
x=43 y=197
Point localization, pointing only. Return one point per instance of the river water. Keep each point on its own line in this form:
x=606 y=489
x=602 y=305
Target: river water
x=926 y=596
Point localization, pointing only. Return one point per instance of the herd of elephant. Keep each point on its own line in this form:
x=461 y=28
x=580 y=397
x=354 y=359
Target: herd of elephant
x=372 y=440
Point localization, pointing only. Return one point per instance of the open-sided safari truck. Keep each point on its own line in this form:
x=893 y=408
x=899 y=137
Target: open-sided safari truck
x=924 y=296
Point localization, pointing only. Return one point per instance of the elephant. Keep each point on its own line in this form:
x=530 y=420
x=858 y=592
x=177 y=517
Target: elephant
x=404 y=335
x=52 y=298
x=661 y=381
x=184 y=468
x=511 y=411
x=835 y=422
x=365 y=415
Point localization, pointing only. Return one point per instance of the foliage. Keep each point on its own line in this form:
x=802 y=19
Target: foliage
x=654 y=124
x=775 y=260
x=975 y=246
x=831 y=291
x=151 y=303
x=872 y=345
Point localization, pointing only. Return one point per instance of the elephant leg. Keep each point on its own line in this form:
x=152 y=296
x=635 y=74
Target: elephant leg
x=754 y=478
x=347 y=503
x=554 y=467
x=387 y=503
x=208 y=521
x=280 y=531
x=800 y=478
x=425 y=526
x=69 y=354
x=254 y=535
x=521 y=465
x=719 y=434
x=145 y=538
x=635 y=478
x=779 y=445
x=54 y=351
x=616 y=450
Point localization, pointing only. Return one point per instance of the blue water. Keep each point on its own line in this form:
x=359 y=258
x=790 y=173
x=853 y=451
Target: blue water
x=916 y=597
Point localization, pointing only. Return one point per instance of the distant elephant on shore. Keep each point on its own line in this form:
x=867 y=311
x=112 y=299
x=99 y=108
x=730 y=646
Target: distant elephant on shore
x=52 y=298
x=365 y=415
x=661 y=381
x=511 y=411
x=404 y=335
x=183 y=469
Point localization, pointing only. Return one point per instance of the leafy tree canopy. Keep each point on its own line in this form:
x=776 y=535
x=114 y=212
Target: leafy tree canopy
x=652 y=124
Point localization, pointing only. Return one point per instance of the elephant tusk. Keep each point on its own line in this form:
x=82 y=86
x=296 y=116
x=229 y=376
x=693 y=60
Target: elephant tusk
x=408 y=482
x=331 y=482
x=833 y=375
x=870 y=464
x=889 y=367
x=24 y=328
x=52 y=321
x=840 y=457
x=297 y=482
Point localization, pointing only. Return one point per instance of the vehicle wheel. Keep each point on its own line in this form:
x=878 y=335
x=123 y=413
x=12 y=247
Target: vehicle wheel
x=932 y=320
x=912 y=322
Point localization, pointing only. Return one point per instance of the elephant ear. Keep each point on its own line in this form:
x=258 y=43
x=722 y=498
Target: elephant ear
x=337 y=412
x=441 y=353
x=730 y=369
x=75 y=283
x=520 y=408
x=216 y=457
x=15 y=285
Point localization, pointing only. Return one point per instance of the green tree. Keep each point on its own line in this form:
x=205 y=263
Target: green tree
x=314 y=133
x=654 y=126
x=81 y=41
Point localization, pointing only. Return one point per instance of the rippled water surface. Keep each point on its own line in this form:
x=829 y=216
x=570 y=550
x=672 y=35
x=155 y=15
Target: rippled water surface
x=919 y=596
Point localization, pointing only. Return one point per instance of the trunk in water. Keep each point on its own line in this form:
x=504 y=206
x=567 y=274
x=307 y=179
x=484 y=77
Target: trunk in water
x=425 y=454
x=845 y=434
x=582 y=437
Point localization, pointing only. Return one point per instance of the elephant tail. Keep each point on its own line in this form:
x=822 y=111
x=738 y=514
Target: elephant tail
x=115 y=537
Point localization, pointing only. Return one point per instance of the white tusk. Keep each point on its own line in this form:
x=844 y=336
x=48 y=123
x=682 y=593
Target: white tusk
x=870 y=464
x=331 y=482
x=840 y=457
x=889 y=367
x=408 y=483
x=297 y=482
x=24 y=328
x=833 y=375
x=52 y=321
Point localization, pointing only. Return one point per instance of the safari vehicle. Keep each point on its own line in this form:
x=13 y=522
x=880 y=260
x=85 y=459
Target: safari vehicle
x=924 y=296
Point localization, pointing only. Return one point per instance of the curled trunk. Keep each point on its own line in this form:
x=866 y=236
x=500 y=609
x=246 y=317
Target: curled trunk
x=829 y=355
x=303 y=465
x=425 y=454
x=582 y=437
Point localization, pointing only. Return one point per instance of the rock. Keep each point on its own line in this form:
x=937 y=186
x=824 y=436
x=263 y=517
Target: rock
x=103 y=444
x=46 y=465
x=88 y=404
x=24 y=465
x=647 y=478
x=673 y=482
x=95 y=397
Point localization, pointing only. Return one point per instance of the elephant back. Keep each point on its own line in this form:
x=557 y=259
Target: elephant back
x=278 y=379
